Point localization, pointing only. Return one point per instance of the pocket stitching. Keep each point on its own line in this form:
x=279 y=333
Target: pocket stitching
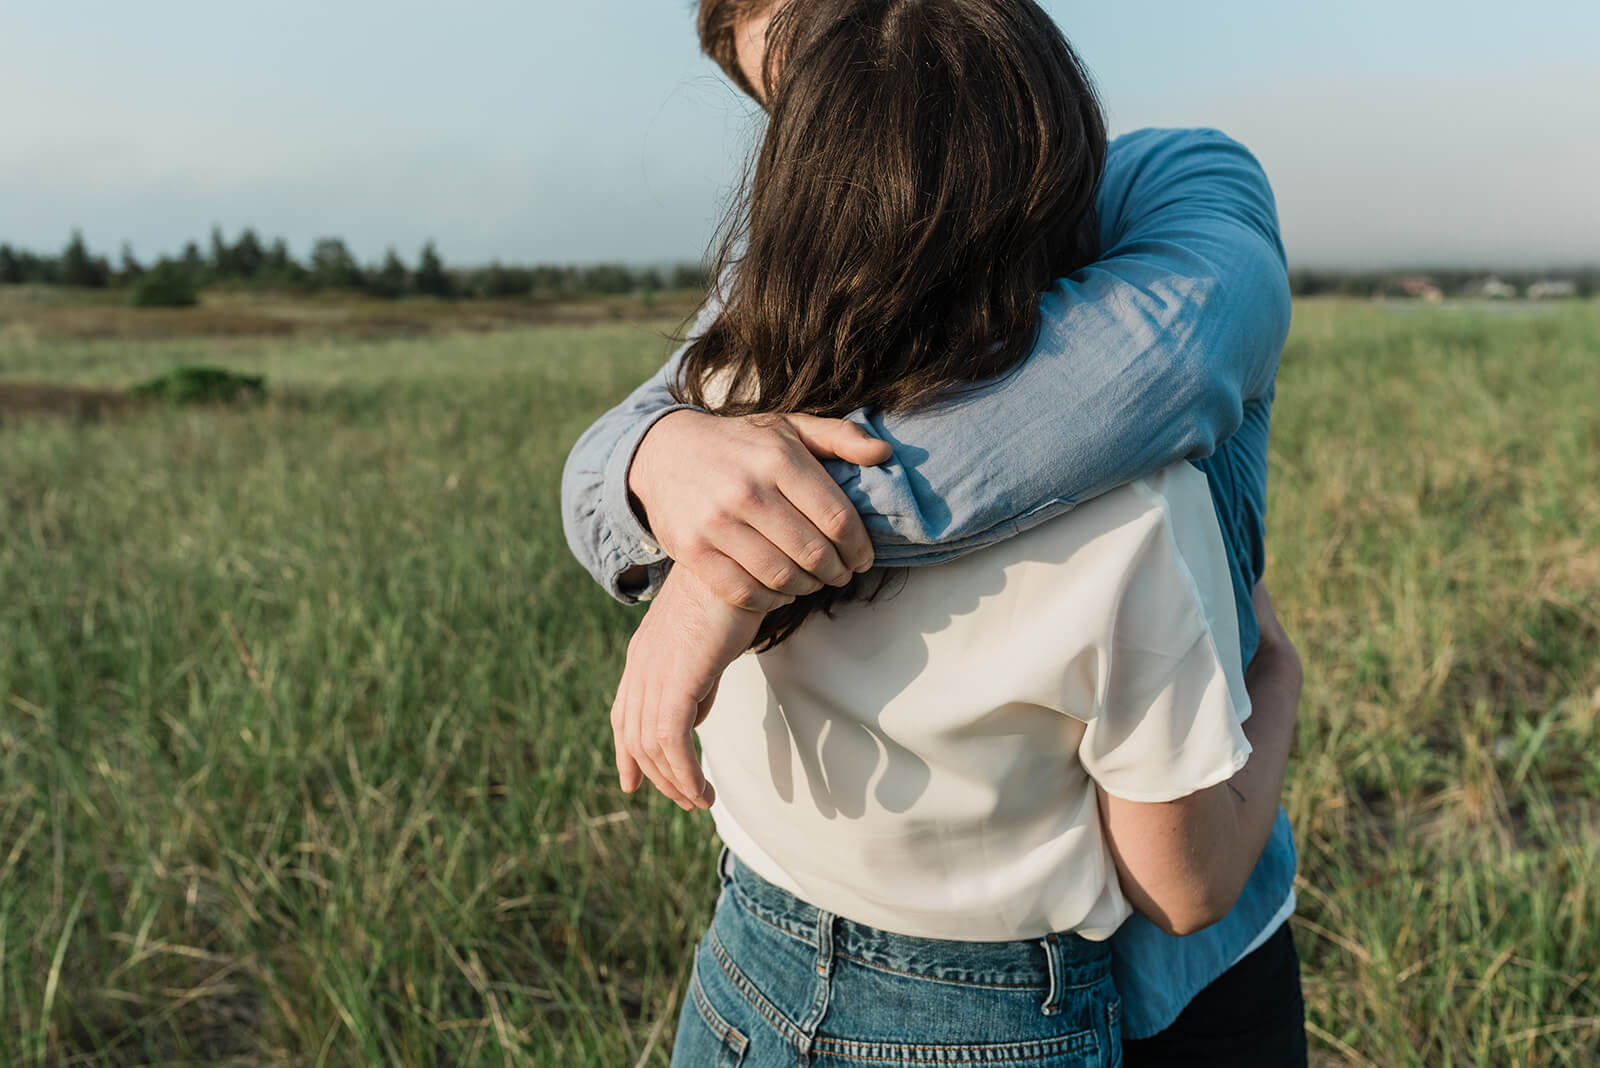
x=752 y=996
x=724 y=1030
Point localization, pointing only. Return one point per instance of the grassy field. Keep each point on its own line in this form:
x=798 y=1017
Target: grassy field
x=304 y=755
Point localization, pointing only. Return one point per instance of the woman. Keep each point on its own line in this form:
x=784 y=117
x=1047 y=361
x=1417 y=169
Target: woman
x=929 y=797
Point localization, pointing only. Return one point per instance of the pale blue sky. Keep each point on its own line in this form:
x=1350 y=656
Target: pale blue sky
x=575 y=130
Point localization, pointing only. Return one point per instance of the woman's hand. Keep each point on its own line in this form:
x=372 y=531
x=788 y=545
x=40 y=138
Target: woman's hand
x=675 y=660
x=744 y=503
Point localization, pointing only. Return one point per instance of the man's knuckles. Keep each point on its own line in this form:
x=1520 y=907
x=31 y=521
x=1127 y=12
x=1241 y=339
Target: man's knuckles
x=785 y=453
x=813 y=555
x=734 y=500
x=782 y=577
x=749 y=597
x=837 y=523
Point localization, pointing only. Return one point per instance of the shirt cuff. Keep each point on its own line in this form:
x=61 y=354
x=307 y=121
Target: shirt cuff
x=631 y=544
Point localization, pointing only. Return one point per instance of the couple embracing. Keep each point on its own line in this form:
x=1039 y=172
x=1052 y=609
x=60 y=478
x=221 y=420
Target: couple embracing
x=951 y=516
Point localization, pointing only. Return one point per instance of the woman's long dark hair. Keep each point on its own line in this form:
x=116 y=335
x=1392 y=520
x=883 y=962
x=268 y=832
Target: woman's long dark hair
x=928 y=170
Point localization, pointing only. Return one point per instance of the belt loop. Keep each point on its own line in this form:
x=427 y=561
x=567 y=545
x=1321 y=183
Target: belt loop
x=819 y=1005
x=824 y=943
x=1055 y=964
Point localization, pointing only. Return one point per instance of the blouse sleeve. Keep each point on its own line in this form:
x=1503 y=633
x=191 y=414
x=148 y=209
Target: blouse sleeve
x=1169 y=694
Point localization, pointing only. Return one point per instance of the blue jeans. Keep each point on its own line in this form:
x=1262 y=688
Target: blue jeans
x=778 y=983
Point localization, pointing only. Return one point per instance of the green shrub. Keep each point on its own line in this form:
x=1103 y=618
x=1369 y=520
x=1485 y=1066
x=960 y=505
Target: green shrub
x=202 y=385
x=169 y=284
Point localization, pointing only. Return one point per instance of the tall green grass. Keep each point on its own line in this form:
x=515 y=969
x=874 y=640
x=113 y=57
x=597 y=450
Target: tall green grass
x=304 y=754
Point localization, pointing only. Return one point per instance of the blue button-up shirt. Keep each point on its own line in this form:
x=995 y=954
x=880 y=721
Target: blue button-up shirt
x=1164 y=349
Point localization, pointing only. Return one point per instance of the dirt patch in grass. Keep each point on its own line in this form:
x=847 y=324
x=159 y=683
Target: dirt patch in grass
x=209 y=386
x=245 y=314
x=22 y=399
x=150 y=324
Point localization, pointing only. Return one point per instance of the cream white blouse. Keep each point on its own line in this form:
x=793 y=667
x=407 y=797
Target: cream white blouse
x=926 y=762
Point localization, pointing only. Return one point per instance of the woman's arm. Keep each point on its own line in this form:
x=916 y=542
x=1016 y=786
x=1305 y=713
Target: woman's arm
x=675 y=660
x=1183 y=863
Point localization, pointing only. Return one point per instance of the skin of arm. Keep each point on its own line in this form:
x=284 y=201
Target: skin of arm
x=1183 y=863
x=675 y=660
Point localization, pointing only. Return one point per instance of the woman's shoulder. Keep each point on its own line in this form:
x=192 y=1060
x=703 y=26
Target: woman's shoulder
x=1175 y=499
x=1087 y=556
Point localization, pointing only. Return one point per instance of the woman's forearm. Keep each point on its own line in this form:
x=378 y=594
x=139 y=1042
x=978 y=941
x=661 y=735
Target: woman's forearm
x=1273 y=679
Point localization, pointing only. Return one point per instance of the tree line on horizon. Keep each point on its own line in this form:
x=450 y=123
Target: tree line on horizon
x=250 y=261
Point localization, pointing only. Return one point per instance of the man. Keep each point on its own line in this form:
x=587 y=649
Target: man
x=1164 y=349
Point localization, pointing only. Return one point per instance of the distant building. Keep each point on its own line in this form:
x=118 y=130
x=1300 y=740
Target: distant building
x=1421 y=289
x=1492 y=288
x=1552 y=289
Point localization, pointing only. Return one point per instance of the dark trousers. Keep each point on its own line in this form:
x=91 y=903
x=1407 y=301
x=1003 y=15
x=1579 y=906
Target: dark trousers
x=1252 y=1015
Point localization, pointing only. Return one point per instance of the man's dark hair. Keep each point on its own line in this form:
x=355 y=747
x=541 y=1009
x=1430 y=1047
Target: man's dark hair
x=928 y=170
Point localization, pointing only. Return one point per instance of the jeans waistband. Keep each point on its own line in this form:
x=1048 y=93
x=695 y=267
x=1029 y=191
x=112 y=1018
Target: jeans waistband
x=1061 y=960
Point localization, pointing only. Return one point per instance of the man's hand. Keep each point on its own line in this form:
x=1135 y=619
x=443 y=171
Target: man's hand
x=675 y=659
x=744 y=503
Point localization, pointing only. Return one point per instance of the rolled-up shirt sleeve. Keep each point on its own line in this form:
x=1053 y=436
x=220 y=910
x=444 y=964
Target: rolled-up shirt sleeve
x=602 y=530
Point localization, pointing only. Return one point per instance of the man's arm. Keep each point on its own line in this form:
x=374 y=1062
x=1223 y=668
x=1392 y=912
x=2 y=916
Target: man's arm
x=1143 y=358
x=603 y=531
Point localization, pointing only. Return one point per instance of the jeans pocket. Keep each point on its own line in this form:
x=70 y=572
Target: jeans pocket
x=705 y=1039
